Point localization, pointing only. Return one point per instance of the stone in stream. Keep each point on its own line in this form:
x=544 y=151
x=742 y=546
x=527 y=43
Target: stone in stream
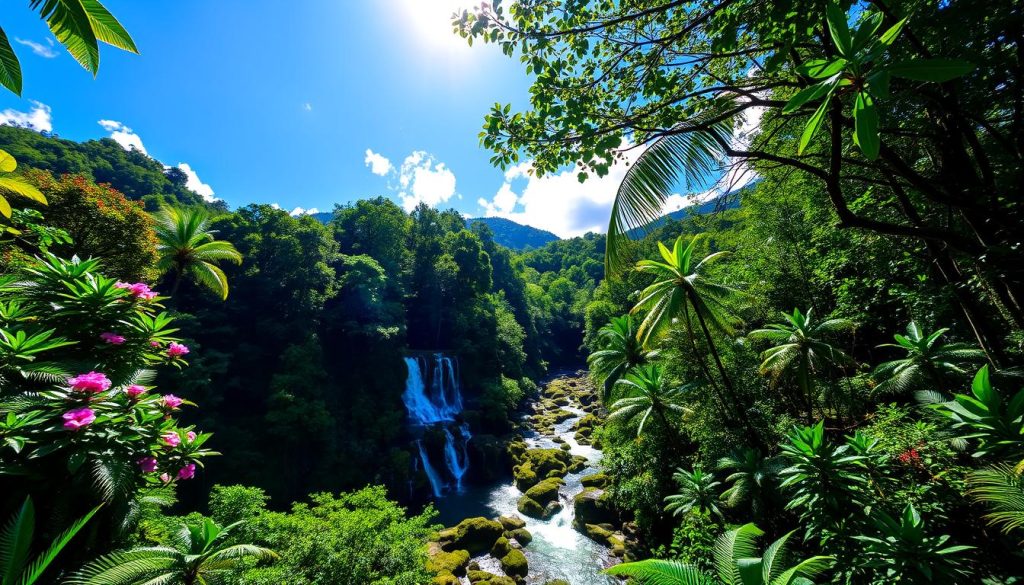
x=453 y=563
x=485 y=578
x=535 y=465
x=545 y=491
x=522 y=536
x=476 y=535
x=500 y=548
x=597 y=480
x=528 y=507
x=514 y=564
x=593 y=506
x=511 y=522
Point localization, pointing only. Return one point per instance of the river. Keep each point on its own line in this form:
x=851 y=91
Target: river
x=557 y=551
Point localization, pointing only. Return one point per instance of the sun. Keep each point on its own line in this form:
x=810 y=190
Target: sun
x=430 y=21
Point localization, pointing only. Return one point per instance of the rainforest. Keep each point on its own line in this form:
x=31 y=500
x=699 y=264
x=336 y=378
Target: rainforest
x=790 y=351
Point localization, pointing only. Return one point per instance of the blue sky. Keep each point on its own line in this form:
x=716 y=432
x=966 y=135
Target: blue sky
x=280 y=102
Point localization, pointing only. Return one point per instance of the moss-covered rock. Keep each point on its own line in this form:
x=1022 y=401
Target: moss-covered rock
x=578 y=464
x=454 y=562
x=552 y=508
x=529 y=507
x=597 y=533
x=522 y=536
x=535 y=465
x=597 y=480
x=593 y=506
x=545 y=491
x=447 y=579
x=514 y=564
x=556 y=582
x=500 y=548
x=485 y=578
x=524 y=476
x=475 y=535
x=512 y=522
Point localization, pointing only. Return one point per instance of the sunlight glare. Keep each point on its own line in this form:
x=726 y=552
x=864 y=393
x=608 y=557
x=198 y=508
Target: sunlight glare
x=429 y=21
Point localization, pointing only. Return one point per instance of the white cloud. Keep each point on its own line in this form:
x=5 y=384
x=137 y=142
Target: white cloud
x=378 y=163
x=423 y=179
x=275 y=206
x=307 y=106
x=46 y=51
x=198 y=187
x=38 y=118
x=123 y=135
x=301 y=211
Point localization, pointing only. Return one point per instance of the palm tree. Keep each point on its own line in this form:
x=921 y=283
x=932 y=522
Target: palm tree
x=187 y=247
x=200 y=556
x=697 y=492
x=646 y=394
x=927 y=359
x=16 y=544
x=753 y=478
x=682 y=290
x=1002 y=488
x=735 y=564
x=800 y=351
x=620 y=351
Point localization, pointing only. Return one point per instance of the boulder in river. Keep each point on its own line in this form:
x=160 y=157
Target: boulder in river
x=446 y=579
x=535 y=465
x=485 y=578
x=514 y=564
x=500 y=548
x=598 y=480
x=452 y=563
x=522 y=536
x=475 y=535
x=593 y=506
x=545 y=491
x=512 y=522
x=529 y=507
x=551 y=509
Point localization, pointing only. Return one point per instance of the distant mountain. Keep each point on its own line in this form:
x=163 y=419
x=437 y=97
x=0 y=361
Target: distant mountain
x=514 y=235
x=711 y=206
x=323 y=217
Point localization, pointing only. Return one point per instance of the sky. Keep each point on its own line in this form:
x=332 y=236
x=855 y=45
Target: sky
x=304 y=104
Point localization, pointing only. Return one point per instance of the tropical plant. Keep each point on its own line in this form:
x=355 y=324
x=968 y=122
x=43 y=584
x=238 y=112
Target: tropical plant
x=927 y=361
x=735 y=564
x=683 y=291
x=824 y=482
x=620 y=351
x=200 y=553
x=902 y=552
x=11 y=184
x=753 y=478
x=186 y=247
x=698 y=492
x=1001 y=488
x=645 y=393
x=997 y=425
x=801 y=351
x=16 y=545
x=79 y=25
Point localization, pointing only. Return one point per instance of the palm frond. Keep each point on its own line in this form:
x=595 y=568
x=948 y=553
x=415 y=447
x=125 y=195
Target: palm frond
x=658 y=572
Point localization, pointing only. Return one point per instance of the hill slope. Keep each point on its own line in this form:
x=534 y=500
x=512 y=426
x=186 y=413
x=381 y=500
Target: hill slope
x=514 y=235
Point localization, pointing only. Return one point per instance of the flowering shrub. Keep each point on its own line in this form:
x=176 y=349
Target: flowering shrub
x=80 y=422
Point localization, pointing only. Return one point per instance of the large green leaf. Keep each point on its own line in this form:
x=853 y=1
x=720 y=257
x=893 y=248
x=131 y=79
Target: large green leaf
x=808 y=94
x=70 y=23
x=936 y=70
x=36 y=568
x=813 y=124
x=16 y=541
x=890 y=35
x=18 y=186
x=658 y=572
x=107 y=28
x=866 y=125
x=10 y=68
x=838 y=29
x=7 y=162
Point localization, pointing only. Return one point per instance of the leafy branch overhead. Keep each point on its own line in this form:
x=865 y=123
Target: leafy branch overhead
x=79 y=25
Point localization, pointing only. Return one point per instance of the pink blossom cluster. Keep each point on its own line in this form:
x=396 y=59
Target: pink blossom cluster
x=78 y=418
x=170 y=401
x=149 y=464
x=112 y=338
x=176 y=350
x=91 y=383
x=139 y=290
x=134 y=391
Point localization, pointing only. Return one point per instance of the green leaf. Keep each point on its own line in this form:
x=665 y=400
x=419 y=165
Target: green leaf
x=890 y=35
x=807 y=94
x=5 y=207
x=19 y=187
x=935 y=70
x=70 y=23
x=865 y=120
x=822 y=68
x=15 y=541
x=10 y=68
x=866 y=30
x=838 y=29
x=107 y=28
x=813 y=125
x=878 y=83
x=7 y=162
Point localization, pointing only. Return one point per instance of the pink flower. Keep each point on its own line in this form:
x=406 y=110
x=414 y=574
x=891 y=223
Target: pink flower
x=92 y=382
x=147 y=464
x=171 y=401
x=165 y=477
x=171 y=439
x=154 y=343
x=134 y=391
x=78 y=418
x=176 y=350
x=112 y=338
x=187 y=472
x=191 y=435
x=139 y=290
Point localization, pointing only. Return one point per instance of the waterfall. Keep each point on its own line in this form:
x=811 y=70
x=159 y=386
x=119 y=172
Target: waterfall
x=438 y=403
x=436 y=483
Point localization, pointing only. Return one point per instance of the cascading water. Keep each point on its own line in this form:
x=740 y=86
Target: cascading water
x=438 y=404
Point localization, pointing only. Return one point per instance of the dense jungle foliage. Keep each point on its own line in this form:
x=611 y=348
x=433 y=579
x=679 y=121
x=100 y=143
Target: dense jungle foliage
x=818 y=382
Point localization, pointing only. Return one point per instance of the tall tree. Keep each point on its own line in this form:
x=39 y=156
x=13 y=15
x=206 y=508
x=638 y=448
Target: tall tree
x=646 y=393
x=619 y=352
x=186 y=247
x=927 y=362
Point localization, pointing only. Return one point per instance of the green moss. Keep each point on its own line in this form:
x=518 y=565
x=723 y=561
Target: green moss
x=475 y=535
x=522 y=536
x=514 y=564
x=557 y=582
x=593 y=506
x=597 y=480
x=545 y=491
x=448 y=562
x=500 y=548
x=511 y=522
x=447 y=579
x=527 y=506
